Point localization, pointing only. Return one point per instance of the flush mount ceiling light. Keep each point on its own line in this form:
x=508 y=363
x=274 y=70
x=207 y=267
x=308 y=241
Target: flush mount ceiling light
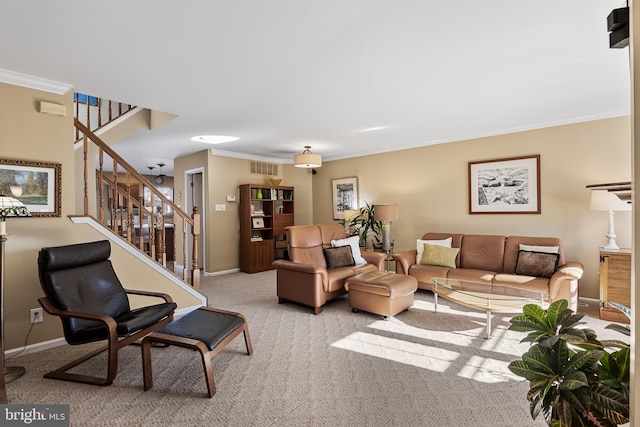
x=307 y=159
x=214 y=139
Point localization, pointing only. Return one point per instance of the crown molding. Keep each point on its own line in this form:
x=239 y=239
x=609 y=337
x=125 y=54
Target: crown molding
x=32 y=82
x=248 y=156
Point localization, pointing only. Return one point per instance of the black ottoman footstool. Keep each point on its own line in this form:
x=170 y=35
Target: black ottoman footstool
x=207 y=330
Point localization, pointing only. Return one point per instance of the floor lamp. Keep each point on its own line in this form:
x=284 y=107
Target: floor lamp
x=9 y=207
x=603 y=200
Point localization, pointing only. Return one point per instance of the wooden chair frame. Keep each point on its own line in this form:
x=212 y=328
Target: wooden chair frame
x=114 y=341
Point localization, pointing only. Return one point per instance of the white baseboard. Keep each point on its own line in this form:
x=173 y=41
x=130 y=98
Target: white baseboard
x=223 y=272
x=34 y=348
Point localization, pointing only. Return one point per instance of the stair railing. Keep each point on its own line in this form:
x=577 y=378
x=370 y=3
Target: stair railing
x=95 y=113
x=134 y=209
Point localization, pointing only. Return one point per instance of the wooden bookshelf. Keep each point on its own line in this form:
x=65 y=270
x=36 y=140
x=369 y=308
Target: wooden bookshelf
x=265 y=211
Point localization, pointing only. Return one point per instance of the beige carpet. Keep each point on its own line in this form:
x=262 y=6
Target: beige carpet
x=335 y=369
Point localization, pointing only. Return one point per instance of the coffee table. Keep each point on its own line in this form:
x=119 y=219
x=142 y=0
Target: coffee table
x=485 y=297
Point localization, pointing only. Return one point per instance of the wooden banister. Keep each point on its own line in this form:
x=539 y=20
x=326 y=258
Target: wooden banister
x=128 y=212
x=97 y=114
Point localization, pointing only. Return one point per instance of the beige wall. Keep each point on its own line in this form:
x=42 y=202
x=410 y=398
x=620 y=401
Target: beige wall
x=26 y=134
x=225 y=175
x=430 y=186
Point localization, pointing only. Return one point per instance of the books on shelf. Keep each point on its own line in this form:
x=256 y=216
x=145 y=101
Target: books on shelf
x=257 y=212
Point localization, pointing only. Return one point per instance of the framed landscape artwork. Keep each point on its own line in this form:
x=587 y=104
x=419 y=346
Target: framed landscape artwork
x=345 y=196
x=503 y=186
x=36 y=184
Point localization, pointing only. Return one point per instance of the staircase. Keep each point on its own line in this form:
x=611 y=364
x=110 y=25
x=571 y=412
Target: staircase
x=125 y=202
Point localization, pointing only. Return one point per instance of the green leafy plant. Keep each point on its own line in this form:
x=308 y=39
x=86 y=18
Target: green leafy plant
x=574 y=380
x=366 y=225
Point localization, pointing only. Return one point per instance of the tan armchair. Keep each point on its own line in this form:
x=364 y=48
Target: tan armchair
x=305 y=278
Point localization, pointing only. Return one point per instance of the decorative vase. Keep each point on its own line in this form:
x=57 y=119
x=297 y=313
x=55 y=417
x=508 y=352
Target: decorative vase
x=259 y=193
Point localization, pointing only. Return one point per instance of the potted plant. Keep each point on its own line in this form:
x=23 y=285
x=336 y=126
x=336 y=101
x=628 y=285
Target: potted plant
x=366 y=225
x=574 y=380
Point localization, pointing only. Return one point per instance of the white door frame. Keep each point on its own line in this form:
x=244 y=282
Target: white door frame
x=188 y=202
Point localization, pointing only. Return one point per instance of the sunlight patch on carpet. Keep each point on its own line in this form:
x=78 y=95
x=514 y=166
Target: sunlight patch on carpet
x=409 y=353
x=487 y=370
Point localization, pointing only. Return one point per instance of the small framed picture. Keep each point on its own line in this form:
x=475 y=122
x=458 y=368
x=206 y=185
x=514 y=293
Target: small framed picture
x=257 y=222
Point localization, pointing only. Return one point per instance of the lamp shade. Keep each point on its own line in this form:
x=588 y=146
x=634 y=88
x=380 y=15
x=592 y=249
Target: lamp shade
x=385 y=212
x=307 y=159
x=10 y=207
x=349 y=214
x=603 y=200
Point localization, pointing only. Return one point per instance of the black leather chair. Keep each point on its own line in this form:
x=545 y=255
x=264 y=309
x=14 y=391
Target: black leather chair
x=82 y=288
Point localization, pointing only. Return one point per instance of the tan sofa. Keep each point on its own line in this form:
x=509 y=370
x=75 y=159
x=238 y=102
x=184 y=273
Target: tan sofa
x=305 y=278
x=492 y=259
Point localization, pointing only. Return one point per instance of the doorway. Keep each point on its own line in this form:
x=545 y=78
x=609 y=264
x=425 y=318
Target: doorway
x=194 y=191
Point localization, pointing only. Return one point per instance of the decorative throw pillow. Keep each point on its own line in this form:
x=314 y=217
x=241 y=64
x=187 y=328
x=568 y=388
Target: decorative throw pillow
x=420 y=246
x=439 y=255
x=338 y=257
x=354 y=243
x=545 y=249
x=537 y=264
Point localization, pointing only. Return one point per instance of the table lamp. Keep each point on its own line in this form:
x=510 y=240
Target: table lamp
x=9 y=207
x=349 y=215
x=603 y=200
x=386 y=214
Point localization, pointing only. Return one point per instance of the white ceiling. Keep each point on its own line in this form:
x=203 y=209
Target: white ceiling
x=282 y=74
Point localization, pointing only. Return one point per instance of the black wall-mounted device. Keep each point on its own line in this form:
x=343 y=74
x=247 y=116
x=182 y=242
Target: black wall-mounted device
x=618 y=26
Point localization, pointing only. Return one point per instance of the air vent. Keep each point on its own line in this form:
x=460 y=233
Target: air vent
x=264 y=168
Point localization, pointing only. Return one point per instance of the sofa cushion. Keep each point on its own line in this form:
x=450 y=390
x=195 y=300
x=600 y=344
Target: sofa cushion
x=512 y=246
x=474 y=275
x=537 y=264
x=424 y=274
x=439 y=255
x=354 y=243
x=421 y=242
x=539 y=284
x=538 y=248
x=338 y=257
x=482 y=252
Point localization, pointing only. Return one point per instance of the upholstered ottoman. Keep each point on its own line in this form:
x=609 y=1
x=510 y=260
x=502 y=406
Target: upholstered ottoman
x=380 y=292
x=206 y=330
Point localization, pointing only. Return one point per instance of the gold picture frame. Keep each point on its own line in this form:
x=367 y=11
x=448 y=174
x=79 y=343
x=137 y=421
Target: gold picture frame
x=36 y=184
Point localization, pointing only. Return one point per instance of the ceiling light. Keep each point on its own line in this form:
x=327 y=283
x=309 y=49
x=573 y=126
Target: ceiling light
x=307 y=159
x=373 y=128
x=214 y=139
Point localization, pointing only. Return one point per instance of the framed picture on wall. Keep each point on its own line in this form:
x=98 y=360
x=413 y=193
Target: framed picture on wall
x=37 y=185
x=345 y=195
x=504 y=186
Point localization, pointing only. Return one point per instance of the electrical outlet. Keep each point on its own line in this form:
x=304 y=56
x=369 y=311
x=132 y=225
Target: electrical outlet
x=36 y=315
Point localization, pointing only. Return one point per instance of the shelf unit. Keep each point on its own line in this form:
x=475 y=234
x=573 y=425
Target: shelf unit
x=265 y=211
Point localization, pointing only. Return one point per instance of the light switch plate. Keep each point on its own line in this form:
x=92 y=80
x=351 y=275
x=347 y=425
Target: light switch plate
x=221 y=207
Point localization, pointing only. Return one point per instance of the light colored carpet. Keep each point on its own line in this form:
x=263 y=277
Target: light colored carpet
x=335 y=369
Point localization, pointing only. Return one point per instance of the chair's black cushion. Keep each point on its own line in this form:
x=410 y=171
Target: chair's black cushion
x=140 y=318
x=81 y=278
x=207 y=326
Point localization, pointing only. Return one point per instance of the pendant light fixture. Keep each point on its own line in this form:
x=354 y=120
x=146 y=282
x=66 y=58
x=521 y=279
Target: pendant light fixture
x=307 y=159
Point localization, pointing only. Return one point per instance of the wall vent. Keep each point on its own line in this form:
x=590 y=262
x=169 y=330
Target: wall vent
x=264 y=168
